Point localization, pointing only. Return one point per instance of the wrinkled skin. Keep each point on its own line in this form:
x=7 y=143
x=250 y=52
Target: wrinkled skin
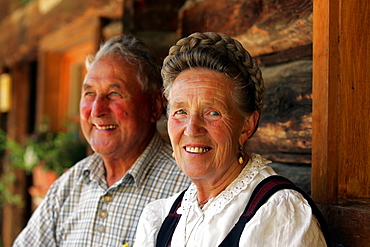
x=206 y=128
x=117 y=118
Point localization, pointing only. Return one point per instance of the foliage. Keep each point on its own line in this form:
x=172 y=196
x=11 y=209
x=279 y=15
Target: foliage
x=7 y=178
x=57 y=152
x=6 y=195
x=24 y=1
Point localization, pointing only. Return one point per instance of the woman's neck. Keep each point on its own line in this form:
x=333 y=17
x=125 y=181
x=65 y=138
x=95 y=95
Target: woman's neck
x=210 y=188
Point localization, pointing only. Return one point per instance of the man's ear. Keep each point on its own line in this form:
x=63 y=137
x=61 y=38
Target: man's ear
x=249 y=126
x=157 y=106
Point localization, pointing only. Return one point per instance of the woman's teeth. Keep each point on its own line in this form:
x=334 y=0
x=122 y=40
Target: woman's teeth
x=197 y=149
x=106 y=127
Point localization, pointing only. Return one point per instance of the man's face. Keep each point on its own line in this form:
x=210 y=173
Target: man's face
x=116 y=116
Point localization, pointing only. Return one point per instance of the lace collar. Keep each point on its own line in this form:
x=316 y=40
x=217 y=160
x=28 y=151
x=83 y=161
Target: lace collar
x=218 y=203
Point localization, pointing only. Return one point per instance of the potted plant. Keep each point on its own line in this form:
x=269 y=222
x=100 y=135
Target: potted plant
x=55 y=152
x=47 y=155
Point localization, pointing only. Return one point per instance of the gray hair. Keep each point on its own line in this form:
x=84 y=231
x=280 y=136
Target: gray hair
x=221 y=53
x=135 y=52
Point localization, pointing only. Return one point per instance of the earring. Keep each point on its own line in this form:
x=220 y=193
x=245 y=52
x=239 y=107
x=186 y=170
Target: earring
x=173 y=154
x=240 y=155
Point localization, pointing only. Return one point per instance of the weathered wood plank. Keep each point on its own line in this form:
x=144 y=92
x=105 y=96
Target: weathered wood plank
x=22 y=30
x=285 y=130
x=157 y=15
x=325 y=108
x=263 y=27
x=354 y=88
x=291 y=54
x=349 y=222
x=341 y=88
x=155 y=22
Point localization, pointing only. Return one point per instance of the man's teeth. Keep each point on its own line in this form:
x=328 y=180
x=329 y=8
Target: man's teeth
x=197 y=149
x=106 y=127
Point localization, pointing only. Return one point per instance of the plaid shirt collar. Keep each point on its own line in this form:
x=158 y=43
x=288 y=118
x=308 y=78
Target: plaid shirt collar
x=95 y=171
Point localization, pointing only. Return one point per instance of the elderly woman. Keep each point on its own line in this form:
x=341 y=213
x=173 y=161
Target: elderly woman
x=215 y=94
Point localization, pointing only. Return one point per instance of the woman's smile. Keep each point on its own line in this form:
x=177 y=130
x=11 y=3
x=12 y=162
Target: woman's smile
x=204 y=124
x=197 y=150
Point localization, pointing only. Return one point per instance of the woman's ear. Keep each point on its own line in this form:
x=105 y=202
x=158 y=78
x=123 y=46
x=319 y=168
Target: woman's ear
x=249 y=126
x=157 y=106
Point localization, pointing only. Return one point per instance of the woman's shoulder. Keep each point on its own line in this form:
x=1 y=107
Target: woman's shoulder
x=151 y=220
x=156 y=211
x=160 y=207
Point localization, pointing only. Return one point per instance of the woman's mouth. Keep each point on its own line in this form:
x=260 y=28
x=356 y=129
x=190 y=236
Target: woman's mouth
x=197 y=150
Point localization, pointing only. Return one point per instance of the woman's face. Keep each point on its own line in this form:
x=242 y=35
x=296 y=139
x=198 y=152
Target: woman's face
x=205 y=125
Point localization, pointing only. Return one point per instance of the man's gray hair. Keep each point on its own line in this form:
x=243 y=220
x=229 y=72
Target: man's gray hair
x=135 y=52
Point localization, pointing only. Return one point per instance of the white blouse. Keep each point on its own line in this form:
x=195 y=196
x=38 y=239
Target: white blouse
x=284 y=220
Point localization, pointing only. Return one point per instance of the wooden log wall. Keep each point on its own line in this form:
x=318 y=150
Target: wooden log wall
x=155 y=22
x=279 y=35
x=22 y=30
x=262 y=26
x=285 y=130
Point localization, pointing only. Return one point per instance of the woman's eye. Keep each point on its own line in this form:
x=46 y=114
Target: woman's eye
x=180 y=112
x=214 y=113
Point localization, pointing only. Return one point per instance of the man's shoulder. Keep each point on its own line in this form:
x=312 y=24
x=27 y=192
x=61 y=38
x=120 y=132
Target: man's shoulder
x=84 y=164
x=163 y=166
x=166 y=151
x=161 y=153
x=72 y=175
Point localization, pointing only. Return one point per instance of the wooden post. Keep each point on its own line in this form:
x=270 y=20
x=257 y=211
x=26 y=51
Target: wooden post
x=354 y=86
x=341 y=112
x=18 y=120
x=325 y=105
x=341 y=106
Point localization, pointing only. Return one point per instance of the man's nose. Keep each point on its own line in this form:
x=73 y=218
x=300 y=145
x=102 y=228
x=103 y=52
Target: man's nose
x=100 y=107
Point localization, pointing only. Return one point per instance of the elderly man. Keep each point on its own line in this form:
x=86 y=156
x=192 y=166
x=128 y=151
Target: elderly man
x=98 y=201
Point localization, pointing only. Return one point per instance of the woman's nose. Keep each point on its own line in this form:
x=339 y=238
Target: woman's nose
x=194 y=127
x=99 y=107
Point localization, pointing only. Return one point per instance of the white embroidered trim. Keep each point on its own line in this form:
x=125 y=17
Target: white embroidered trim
x=218 y=203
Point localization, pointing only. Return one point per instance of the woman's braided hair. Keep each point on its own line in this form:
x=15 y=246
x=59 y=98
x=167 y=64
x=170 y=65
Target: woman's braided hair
x=221 y=53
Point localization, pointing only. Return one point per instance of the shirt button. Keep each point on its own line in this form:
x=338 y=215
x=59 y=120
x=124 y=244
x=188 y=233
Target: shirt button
x=103 y=214
x=100 y=229
x=107 y=198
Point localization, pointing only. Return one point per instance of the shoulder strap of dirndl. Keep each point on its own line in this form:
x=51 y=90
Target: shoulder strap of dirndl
x=169 y=224
x=264 y=190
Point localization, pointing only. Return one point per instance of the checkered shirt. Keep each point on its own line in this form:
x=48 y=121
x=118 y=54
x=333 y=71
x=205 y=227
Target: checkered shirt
x=80 y=210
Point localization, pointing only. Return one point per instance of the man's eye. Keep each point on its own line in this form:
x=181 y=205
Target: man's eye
x=214 y=113
x=89 y=94
x=114 y=96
